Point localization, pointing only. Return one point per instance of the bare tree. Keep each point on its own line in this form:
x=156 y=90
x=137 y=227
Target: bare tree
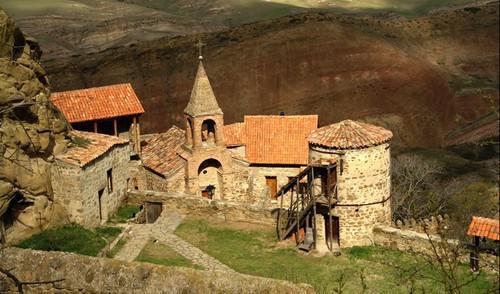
x=413 y=189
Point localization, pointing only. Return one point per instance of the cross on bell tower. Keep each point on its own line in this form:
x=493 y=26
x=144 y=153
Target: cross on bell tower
x=200 y=46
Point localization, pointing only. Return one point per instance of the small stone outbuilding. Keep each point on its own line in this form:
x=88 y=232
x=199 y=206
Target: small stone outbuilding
x=90 y=179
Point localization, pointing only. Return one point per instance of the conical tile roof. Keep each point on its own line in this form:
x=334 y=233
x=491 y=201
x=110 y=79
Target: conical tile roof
x=349 y=134
x=202 y=101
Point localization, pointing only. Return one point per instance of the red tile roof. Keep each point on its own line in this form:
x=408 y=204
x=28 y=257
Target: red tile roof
x=160 y=153
x=234 y=134
x=349 y=134
x=98 y=103
x=484 y=227
x=274 y=139
x=88 y=147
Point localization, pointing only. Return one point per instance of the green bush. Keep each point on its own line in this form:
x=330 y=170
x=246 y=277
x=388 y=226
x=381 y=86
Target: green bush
x=125 y=213
x=71 y=238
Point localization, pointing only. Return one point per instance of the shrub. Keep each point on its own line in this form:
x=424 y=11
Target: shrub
x=71 y=238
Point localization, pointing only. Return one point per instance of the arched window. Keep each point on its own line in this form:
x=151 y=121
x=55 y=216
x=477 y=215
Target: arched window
x=208 y=128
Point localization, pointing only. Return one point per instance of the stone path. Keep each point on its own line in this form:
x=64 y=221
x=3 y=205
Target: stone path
x=138 y=237
x=163 y=231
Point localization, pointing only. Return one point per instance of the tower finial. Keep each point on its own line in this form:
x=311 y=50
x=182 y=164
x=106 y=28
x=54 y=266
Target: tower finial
x=200 y=46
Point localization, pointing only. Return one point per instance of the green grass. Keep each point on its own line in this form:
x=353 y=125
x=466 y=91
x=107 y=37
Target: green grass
x=72 y=238
x=162 y=254
x=125 y=213
x=119 y=245
x=256 y=253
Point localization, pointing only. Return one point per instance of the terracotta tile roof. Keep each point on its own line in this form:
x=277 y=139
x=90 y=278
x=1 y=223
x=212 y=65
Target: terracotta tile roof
x=98 y=103
x=349 y=134
x=234 y=134
x=484 y=227
x=89 y=147
x=274 y=139
x=160 y=153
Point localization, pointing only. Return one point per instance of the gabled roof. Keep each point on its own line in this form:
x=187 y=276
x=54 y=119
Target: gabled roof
x=160 y=152
x=275 y=139
x=87 y=147
x=349 y=134
x=98 y=103
x=484 y=227
x=234 y=134
x=202 y=101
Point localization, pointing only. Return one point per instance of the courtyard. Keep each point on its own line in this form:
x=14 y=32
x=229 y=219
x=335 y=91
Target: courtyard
x=212 y=244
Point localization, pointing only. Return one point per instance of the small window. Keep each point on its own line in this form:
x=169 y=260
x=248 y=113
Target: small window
x=110 y=180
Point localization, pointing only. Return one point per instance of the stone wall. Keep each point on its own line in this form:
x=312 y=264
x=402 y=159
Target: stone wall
x=198 y=206
x=237 y=184
x=85 y=274
x=78 y=188
x=260 y=191
x=363 y=177
x=176 y=182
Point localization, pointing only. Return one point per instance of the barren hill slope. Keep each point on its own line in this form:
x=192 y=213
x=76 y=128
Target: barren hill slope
x=420 y=77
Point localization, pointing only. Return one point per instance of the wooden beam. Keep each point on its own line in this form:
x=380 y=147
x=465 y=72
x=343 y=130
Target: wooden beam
x=95 y=127
x=115 y=127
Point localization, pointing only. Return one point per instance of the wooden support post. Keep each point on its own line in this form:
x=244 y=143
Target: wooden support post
x=278 y=221
x=136 y=135
x=314 y=207
x=329 y=197
x=95 y=127
x=115 y=127
x=297 y=192
x=474 y=254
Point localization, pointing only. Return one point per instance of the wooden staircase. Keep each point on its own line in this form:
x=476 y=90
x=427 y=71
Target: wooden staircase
x=300 y=216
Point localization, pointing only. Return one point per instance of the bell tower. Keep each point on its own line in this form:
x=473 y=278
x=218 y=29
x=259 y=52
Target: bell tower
x=209 y=160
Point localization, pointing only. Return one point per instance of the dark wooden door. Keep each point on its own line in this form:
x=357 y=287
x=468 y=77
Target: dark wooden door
x=153 y=211
x=100 y=193
x=272 y=183
x=334 y=236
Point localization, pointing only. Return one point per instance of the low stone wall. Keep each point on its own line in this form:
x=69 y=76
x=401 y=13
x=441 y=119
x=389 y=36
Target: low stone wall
x=404 y=240
x=85 y=274
x=198 y=206
x=407 y=240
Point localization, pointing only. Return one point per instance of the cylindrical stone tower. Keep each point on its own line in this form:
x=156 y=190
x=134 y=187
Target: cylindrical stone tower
x=363 y=159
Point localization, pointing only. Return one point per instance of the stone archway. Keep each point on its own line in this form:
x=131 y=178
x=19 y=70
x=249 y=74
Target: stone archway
x=208 y=132
x=210 y=175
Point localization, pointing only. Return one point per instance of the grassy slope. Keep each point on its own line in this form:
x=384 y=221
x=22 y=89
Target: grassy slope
x=255 y=252
x=162 y=254
x=73 y=238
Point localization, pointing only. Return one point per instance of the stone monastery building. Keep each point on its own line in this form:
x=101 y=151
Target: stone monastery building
x=330 y=186
x=258 y=160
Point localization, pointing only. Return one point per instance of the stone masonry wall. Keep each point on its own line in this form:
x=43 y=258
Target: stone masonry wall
x=174 y=183
x=259 y=188
x=236 y=184
x=365 y=178
x=85 y=274
x=77 y=188
x=202 y=207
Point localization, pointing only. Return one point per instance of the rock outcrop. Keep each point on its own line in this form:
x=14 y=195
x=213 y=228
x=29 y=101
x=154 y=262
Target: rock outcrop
x=32 y=131
x=83 y=274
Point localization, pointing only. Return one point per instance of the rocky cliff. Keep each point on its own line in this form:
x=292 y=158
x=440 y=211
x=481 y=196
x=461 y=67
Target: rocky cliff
x=32 y=131
x=419 y=77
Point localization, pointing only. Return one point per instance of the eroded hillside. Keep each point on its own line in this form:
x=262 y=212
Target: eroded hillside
x=420 y=77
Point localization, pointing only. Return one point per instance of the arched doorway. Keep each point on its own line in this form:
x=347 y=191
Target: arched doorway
x=208 y=128
x=210 y=179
